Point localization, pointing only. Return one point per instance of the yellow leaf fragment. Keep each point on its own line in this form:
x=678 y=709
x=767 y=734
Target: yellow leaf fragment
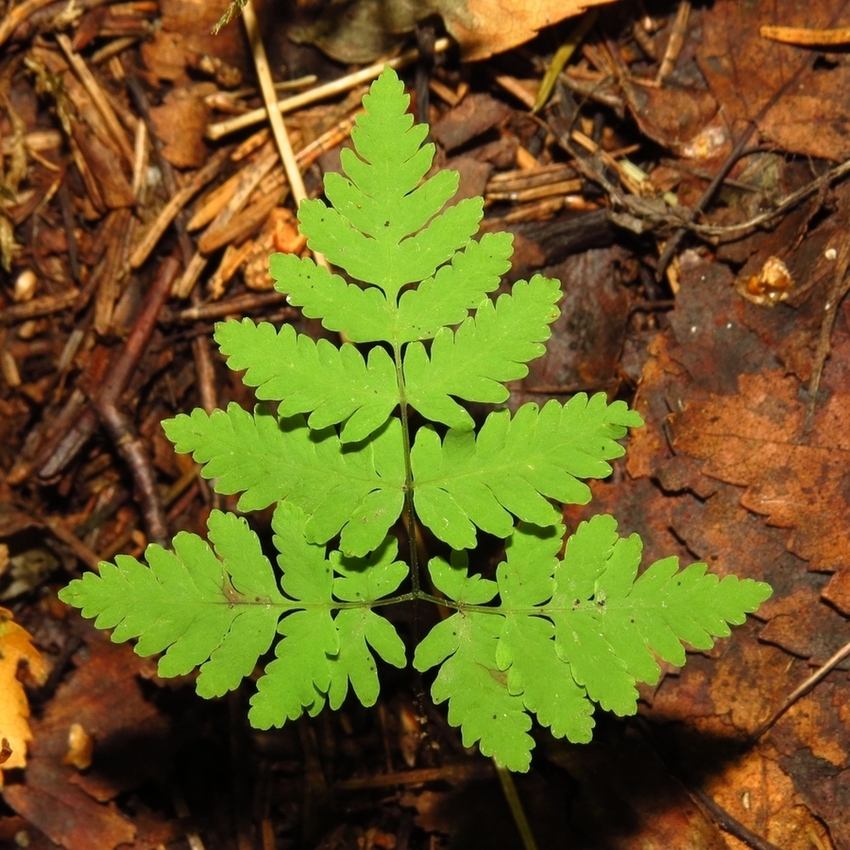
x=16 y=647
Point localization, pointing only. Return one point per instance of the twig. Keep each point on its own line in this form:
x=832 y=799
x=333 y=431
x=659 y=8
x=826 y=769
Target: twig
x=708 y=195
x=133 y=450
x=42 y=306
x=802 y=689
x=459 y=772
x=728 y=823
x=17 y=15
x=264 y=76
x=675 y=42
x=176 y=203
x=831 y=176
x=216 y=309
x=807 y=37
x=255 y=116
x=837 y=290
x=174 y=210
x=141 y=101
x=118 y=375
x=85 y=76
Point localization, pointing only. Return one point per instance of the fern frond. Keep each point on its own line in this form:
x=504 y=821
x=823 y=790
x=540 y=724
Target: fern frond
x=363 y=315
x=216 y=613
x=456 y=288
x=382 y=226
x=568 y=632
x=387 y=263
x=220 y=612
x=357 y=491
x=332 y=384
x=464 y=646
x=551 y=636
x=515 y=466
x=474 y=362
x=609 y=624
x=319 y=654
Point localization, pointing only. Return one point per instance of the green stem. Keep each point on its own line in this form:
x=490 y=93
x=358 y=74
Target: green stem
x=408 y=473
x=515 y=804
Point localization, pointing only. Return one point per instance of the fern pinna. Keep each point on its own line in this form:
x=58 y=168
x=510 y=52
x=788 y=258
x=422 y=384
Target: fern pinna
x=334 y=449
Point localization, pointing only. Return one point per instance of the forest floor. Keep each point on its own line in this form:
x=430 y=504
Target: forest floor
x=684 y=179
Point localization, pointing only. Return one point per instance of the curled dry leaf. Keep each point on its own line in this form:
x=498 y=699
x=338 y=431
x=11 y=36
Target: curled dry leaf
x=15 y=647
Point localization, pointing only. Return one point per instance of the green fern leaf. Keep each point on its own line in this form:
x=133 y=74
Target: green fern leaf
x=469 y=678
x=320 y=654
x=456 y=288
x=464 y=646
x=486 y=351
x=363 y=315
x=332 y=384
x=526 y=649
x=515 y=466
x=358 y=492
x=568 y=632
x=219 y=615
x=609 y=624
x=383 y=227
x=551 y=637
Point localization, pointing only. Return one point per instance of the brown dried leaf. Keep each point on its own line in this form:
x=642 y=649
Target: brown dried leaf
x=181 y=122
x=102 y=696
x=16 y=647
x=755 y=439
x=363 y=30
x=744 y=70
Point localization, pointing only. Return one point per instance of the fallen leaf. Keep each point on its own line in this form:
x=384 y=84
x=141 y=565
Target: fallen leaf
x=744 y=71
x=363 y=30
x=181 y=121
x=16 y=647
x=756 y=439
x=128 y=733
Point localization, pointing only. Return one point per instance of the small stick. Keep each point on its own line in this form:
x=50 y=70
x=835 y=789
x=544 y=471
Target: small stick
x=248 y=181
x=807 y=37
x=835 y=295
x=255 y=116
x=222 y=195
x=84 y=553
x=513 y=86
x=113 y=48
x=41 y=306
x=728 y=823
x=91 y=85
x=133 y=450
x=264 y=75
x=534 y=193
x=459 y=772
x=140 y=160
x=200 y=344
x=184 y=285
x=67 y=211
x=177 y=202
x=15 y=16
x=804 y=688
x=246 y=303
x=675 y=42
x=117 y=377
x=708 y=195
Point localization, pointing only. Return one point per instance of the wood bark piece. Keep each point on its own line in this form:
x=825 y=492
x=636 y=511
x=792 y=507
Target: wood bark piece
x=118 y=375
x=102 y=105
x=168 y=213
